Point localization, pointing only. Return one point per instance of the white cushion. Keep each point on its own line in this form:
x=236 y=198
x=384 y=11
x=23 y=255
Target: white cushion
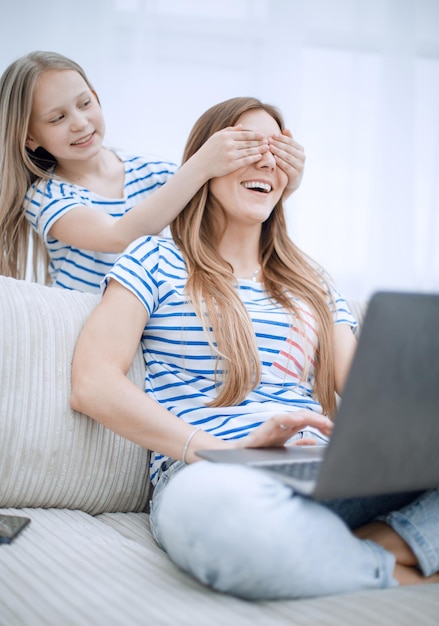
x=51 y=456
x=68 y=568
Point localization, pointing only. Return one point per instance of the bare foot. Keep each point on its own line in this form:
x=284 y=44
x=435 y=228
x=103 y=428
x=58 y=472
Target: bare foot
x=406 y=571
x=382 y=533
x=412 y=576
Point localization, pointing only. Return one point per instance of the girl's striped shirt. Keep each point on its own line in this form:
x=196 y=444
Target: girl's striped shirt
x=47 y=201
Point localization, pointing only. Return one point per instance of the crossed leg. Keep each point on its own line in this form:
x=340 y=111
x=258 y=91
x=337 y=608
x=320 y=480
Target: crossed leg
x=406 y=567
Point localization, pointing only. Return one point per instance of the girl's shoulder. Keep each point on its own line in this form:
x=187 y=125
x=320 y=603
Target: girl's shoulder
x=140 y=161
x=53 y=188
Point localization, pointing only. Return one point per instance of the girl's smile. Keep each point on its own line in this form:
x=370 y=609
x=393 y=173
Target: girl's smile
x=84 y=141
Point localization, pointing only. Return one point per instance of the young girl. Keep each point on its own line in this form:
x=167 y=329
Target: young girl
x=245 y=344
x=84 y=202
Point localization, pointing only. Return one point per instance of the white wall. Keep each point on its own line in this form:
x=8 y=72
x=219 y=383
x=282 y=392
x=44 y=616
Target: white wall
x=357 y=80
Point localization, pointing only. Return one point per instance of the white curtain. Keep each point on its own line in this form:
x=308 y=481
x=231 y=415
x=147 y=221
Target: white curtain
x=357 y=81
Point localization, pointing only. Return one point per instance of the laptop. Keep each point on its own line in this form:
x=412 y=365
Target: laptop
x=386 y=431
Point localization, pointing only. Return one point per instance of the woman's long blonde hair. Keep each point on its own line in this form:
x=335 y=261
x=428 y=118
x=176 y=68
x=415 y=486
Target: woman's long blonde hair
x=286 y=272
x=19 y=167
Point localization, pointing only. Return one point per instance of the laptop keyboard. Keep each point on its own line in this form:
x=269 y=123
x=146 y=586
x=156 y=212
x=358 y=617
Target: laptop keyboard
x=307 y=470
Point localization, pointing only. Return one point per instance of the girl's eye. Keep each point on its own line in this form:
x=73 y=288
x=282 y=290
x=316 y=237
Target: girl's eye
x=56 y=119
x=86 y=103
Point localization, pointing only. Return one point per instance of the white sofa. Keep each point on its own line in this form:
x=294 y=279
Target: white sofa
x=88 y=557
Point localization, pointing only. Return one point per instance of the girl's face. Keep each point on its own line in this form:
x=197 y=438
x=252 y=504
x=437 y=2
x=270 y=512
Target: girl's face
x=66 y=119
x=249 y=194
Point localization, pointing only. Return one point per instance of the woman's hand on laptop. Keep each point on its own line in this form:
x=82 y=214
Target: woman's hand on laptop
x=280 y=428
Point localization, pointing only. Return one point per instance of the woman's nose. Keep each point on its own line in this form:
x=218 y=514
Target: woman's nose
x=267 y=160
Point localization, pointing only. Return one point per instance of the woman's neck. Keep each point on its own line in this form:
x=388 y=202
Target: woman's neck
x=240 y=248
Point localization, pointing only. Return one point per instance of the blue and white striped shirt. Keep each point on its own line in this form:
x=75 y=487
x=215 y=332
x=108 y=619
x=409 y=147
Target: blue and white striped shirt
x=180 y=365
x=46 y=202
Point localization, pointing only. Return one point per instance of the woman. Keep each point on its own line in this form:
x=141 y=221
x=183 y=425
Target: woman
x=246 y=343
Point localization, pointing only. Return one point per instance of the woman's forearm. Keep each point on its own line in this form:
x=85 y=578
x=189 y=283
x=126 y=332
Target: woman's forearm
x=116 y=402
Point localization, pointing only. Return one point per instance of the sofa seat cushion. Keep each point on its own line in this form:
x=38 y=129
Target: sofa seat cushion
x=70 y=568
x=51 y=456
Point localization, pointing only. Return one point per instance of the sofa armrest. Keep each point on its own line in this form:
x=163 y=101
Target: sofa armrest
x=51 y=456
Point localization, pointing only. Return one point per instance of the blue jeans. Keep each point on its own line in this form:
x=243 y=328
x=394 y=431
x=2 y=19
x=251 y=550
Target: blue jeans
x=238 y=530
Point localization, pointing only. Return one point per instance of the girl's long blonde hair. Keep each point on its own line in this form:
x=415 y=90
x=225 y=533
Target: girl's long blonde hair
x=19 y=167
x=286 y=272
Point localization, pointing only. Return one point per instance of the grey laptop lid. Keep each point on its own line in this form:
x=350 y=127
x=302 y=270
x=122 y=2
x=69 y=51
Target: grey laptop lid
x=386 y=433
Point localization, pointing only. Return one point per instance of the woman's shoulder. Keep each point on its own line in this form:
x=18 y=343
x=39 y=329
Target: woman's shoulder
x=150 y=258
x=339 y=306
x=153 y=244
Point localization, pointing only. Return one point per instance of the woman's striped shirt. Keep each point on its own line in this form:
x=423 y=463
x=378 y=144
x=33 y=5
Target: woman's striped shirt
x=47 y=201
x=180 y=365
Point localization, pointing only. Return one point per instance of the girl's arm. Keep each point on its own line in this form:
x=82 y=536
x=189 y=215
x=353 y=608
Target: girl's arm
x=101 y=389
x=224 y=152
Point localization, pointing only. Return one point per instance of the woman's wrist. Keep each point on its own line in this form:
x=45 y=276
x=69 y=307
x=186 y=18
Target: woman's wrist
x=207 y=442
x=185 y=453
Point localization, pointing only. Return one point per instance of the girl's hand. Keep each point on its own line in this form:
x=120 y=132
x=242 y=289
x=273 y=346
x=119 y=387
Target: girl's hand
x=290 y=157
x=230 y=149
x=278 y=429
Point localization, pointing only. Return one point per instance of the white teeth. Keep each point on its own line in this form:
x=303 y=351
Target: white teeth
x=256 y=184
x=77 y=143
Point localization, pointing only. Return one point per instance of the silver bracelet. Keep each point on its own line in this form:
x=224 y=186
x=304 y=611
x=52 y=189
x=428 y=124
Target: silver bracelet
x=186 y=445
